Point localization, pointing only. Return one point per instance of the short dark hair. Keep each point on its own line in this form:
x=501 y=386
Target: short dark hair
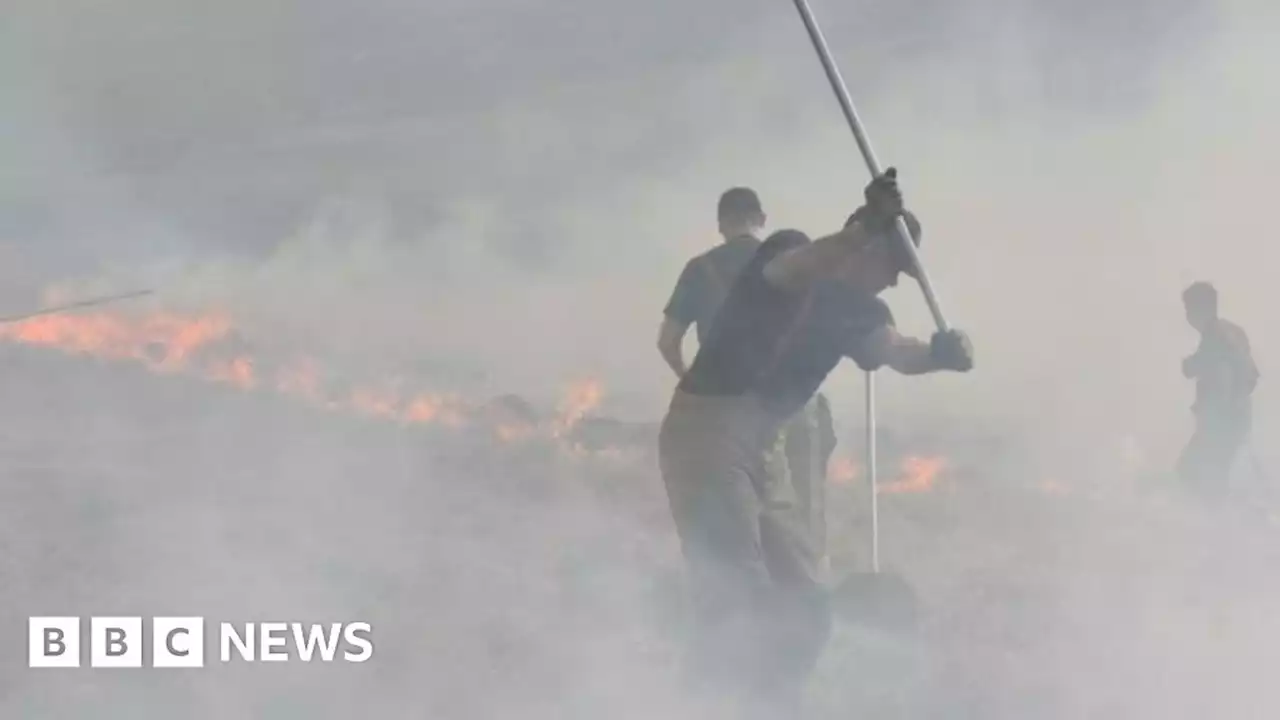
x=1201 y=294
x=738 y=203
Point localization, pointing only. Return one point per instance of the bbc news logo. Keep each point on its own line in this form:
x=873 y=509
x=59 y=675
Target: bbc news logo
x=179 y=642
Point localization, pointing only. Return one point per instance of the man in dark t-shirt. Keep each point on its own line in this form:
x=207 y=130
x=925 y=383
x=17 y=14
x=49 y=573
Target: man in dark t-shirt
x=796 y=309
x=706 y=279
x=1225 y=375
x=800 y=457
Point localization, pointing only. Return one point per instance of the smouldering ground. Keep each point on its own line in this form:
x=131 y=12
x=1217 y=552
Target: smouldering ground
x=517 y=580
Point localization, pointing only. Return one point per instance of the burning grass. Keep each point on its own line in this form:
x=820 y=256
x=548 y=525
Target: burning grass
x=210 y=347
x=530 y=549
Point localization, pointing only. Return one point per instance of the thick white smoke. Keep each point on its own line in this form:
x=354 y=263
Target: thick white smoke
x=509 y=191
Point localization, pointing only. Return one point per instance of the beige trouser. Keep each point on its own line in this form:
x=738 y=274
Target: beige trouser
x=760 y=611
x=1206 y=462
x=800 y=458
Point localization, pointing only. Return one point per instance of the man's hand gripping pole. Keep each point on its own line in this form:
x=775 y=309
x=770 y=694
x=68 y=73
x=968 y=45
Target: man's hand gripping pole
x=904 y=237
x=869 y=155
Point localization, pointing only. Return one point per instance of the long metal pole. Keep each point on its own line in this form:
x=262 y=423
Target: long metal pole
x=869 y=155
x=873 y=483
x=904 y=237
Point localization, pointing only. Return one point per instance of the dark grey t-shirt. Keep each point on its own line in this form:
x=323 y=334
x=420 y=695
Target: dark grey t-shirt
x=781 y=345
x=705 y=282
x=1228 y=374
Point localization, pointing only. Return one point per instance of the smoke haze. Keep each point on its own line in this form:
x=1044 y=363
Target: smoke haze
x=509 y=190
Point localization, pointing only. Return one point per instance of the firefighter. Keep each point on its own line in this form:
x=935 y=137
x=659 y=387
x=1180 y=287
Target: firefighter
x=706 y=279
x=761 y=612
x=1225 y=376
x=799 y=460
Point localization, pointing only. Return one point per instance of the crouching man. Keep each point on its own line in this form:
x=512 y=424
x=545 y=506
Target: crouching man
x=797 y=308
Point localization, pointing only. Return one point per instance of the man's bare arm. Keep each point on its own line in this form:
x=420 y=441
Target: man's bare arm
x=671 y=344
x=799 y=267
x=902 y=354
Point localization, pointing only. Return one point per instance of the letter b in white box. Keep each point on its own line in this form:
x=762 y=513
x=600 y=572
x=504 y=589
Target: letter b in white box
x=115 y=642
x=177 y=642
x=53 y=642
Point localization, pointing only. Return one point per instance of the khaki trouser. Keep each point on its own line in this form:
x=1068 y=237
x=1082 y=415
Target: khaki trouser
x=802 y=455
x=1206 y=462
x=760 y=612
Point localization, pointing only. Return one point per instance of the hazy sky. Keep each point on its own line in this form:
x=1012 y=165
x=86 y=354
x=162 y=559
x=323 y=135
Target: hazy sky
x=227 y=124
x=440 y=173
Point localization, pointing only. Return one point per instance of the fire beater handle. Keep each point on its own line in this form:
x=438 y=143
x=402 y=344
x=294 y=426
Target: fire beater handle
x=872 y=481
x=869 y=155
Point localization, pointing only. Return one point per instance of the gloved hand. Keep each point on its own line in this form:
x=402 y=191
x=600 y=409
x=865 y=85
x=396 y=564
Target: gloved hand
x=883 y=199
x=951 y=350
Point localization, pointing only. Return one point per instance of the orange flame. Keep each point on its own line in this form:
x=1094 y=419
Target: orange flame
x=446 y=410
x=374 y=403
x=171 y=342
x=162 y=341
x=918 y=475
x=237 y=372
x=583 y=397
x=514 y=432
x=842 y=470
